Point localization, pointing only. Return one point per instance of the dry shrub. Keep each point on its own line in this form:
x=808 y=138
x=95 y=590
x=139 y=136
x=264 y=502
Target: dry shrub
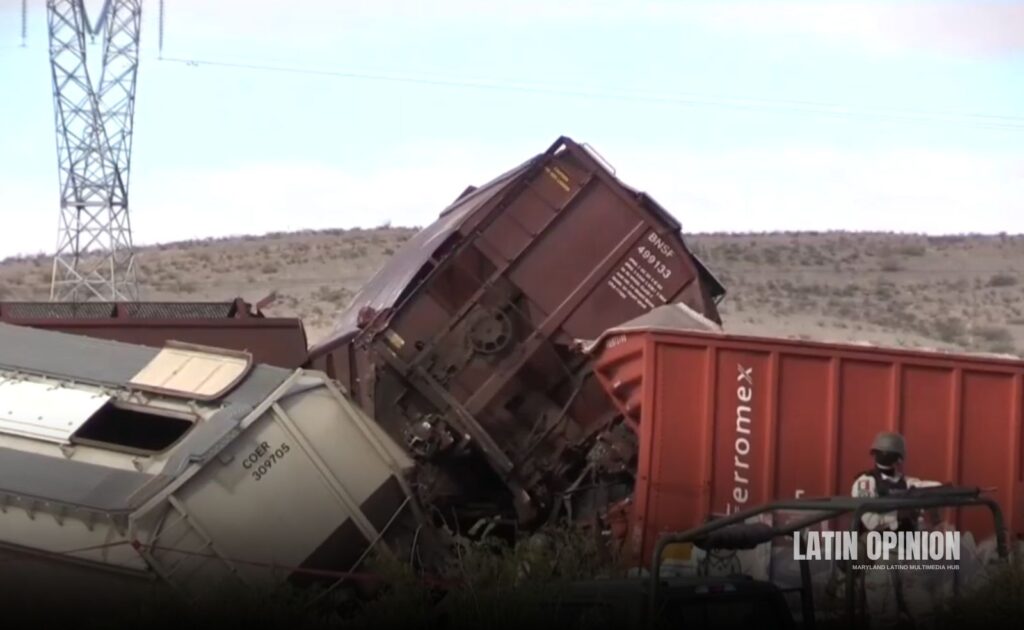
x=949 y=329
x=997 y=603
x=911 y=250
x=891 y=265
x=499 y=583
x=1002 y=280
x=993 y=334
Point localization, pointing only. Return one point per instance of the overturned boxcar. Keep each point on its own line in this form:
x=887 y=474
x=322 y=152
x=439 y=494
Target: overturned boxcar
x=235 y=325
x=123 y=467
x=461 y=345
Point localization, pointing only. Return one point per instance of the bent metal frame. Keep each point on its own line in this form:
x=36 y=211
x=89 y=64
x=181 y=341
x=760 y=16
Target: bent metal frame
x=732 y=532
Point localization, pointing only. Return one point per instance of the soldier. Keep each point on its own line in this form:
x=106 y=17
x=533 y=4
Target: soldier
x=887 y=477
x=889 y=451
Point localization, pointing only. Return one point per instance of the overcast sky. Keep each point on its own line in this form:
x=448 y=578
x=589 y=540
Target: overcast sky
x=736 y=116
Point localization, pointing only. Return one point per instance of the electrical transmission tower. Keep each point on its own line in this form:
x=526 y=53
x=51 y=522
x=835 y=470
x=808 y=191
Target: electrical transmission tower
x=95 y=256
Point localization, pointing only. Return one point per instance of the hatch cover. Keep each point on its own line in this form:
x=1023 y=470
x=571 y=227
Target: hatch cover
x=192 y=371
x=45 y=411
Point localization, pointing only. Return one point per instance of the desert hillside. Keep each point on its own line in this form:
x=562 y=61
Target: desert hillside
x=952 y=292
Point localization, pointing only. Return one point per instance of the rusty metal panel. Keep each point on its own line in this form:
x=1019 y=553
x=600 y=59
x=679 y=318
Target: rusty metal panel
x=726 y=422
x=399 y=273
x=56 y=310
x=232 y=325
x=461 y=345
x=179 y=310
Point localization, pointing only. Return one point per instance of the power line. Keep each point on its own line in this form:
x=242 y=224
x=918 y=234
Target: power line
x=990 y=121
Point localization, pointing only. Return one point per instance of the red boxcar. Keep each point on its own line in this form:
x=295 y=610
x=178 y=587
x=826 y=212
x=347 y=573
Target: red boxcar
x=727 y=422
x=235 y=325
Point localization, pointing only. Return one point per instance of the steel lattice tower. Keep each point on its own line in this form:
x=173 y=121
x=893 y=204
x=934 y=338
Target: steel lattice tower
x=95 y=256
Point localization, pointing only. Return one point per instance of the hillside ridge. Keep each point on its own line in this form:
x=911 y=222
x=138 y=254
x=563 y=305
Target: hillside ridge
x=950 y=292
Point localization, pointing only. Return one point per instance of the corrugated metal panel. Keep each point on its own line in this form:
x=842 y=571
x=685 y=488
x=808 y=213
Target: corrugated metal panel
x=192 y=372
x=44 y=412
x=178 y=310
x=137 y=310
x=58 y=310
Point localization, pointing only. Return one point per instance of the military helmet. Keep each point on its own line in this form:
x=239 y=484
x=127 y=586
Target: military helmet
x=888 y=442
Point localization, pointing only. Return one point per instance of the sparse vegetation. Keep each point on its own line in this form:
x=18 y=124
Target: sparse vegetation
x=488 y=584
x=1002 y=280
x=997 y=604
x=950 y=329
x=498 y=582
x=994 y=334
x=885 y=288
x=911 y=250
x=891 y=265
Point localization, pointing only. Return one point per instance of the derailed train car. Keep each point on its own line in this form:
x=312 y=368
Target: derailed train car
x=461 y=346
x=123 y=466
x=727 y=422
x=235 y=325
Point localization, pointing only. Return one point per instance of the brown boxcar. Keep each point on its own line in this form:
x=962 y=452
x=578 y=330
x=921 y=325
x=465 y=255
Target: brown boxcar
x=235 y=325
x=460 y=344
x=727 y=422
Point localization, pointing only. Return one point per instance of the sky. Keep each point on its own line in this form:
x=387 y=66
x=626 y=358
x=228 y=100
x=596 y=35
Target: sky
x=735 y=116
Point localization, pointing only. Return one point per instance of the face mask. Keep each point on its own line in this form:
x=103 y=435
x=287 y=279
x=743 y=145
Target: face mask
x=886 y=460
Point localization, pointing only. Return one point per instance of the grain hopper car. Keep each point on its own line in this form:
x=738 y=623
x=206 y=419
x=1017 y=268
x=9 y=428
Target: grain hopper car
x=461 y=346
x=123 y=467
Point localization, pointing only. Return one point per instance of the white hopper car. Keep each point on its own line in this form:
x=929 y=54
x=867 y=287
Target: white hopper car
x=123 y=467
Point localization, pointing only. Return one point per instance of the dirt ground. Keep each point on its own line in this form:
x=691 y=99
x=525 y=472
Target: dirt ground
x=946 y=292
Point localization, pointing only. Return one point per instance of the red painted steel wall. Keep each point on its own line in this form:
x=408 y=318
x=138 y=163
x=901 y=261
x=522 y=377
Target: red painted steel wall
x=279 y=341
x=273 y=341
x=728 y=422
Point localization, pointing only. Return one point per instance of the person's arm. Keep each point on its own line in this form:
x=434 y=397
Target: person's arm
x=863 y=487
x=933 y=513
